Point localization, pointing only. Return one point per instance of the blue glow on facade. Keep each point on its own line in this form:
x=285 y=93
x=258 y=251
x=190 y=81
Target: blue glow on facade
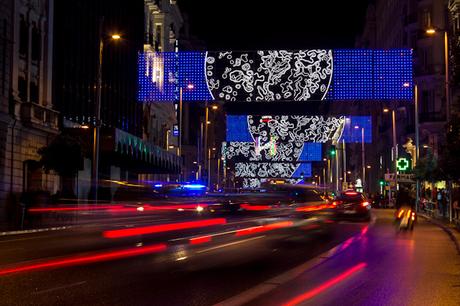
x=162 y=74
x=357 y=74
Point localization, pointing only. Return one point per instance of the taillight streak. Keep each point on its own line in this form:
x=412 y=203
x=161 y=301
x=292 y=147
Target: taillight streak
x=331 y=282
x=200 y=240
x=255 y=207
x=80 y=260
x=162 y=228
x=314 y=208
x=263 y=228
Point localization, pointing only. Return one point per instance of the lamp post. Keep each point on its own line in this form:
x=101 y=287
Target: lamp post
x=363 y=157
x=207 y=153
x=97 y=126
x=433 y=31
x=190 y=86
x=417 y=147
x=394 y=149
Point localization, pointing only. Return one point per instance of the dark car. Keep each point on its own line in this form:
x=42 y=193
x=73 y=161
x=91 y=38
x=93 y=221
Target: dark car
x=352 y=205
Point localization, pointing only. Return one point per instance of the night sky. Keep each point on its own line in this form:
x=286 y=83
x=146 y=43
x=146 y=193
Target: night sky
x=255 y=24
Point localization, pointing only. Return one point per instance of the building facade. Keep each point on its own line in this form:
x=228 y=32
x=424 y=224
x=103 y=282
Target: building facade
x=29 y=119
x=403 y=24
x=131 y=145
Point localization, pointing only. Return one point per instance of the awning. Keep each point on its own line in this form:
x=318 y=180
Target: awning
x=126 y=150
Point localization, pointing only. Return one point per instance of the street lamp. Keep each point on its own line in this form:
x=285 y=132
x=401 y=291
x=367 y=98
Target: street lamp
x=432 y=31
x=190 y=86
x=97 y=126
x=363 y=156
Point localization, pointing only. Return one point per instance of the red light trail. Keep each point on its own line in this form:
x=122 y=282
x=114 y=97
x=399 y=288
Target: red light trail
x=162 y=228
x=333 y=281
x=199 y=240
x=263 y=228
x=80 y=260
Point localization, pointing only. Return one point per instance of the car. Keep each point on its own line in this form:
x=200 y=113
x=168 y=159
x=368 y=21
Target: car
x=352 y=205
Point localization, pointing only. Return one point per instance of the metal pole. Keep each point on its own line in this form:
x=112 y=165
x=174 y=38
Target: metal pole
x=345 y=179
x=395 y=148
x=200 y=151
x=337 y=172
x=180 y=133
x=363 y=158
x=447 y=81
x=209 y=167
x=417 y=147
x=97 y=127
x=218 y=174
x=446 y=63
x=324 y=179
x=206 y=155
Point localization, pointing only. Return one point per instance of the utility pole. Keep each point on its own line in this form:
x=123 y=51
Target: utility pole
x=97 y=126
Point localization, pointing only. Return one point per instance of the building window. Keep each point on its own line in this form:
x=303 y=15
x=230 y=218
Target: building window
x=158 y=38
x=23 y=37
x=426 y=18
x=33 y=92
x=36 y=43
x=22 y=89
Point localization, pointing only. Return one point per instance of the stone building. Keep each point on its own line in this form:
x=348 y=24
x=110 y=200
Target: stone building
x=28 y=118
x=403 y=24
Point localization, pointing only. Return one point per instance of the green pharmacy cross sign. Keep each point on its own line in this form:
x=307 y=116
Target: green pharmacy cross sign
x=403 y=164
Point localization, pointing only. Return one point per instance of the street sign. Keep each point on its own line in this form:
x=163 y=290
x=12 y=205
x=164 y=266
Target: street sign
x=403 y=164
x=175 y=130
x=401 y=178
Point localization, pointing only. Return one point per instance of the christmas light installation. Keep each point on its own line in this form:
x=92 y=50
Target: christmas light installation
x=277 y=75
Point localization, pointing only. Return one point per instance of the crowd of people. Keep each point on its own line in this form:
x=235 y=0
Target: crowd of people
x=434 y=200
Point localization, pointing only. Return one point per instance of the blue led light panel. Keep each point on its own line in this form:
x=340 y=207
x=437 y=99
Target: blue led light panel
x=303 y=167
x=372 y=75
x=305 y=75
x=237 y=129
x=352 y=132
x=162 y=74
x=312 y=151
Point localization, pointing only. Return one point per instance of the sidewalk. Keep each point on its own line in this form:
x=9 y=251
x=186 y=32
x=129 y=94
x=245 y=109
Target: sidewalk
x=452 y=229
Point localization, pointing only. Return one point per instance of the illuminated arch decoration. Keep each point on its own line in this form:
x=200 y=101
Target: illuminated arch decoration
x=298 y=142
x=277 y=75
x=270 y=75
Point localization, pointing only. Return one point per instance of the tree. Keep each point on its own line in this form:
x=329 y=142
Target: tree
x=450 y=159
x=427 y=168
x=64 y=156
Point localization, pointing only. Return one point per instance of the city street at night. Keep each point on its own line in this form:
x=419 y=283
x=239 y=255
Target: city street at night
x=360 y=263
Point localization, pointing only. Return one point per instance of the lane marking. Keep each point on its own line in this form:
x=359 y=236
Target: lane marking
x=59 y=288
x=274 y=282
x=229 y=244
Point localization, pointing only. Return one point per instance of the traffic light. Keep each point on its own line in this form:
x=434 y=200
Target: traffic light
x=332 y=151
x=382 y=182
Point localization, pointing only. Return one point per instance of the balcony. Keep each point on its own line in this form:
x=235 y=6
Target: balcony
x=38 y=116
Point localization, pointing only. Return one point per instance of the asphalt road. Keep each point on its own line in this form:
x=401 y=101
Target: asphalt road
x=241 y=261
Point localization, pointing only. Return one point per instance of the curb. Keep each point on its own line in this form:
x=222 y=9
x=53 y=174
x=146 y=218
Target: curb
x=445 y=229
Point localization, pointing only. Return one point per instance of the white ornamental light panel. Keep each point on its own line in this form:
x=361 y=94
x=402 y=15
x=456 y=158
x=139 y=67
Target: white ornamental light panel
x=278 y=142
x=276 y=75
